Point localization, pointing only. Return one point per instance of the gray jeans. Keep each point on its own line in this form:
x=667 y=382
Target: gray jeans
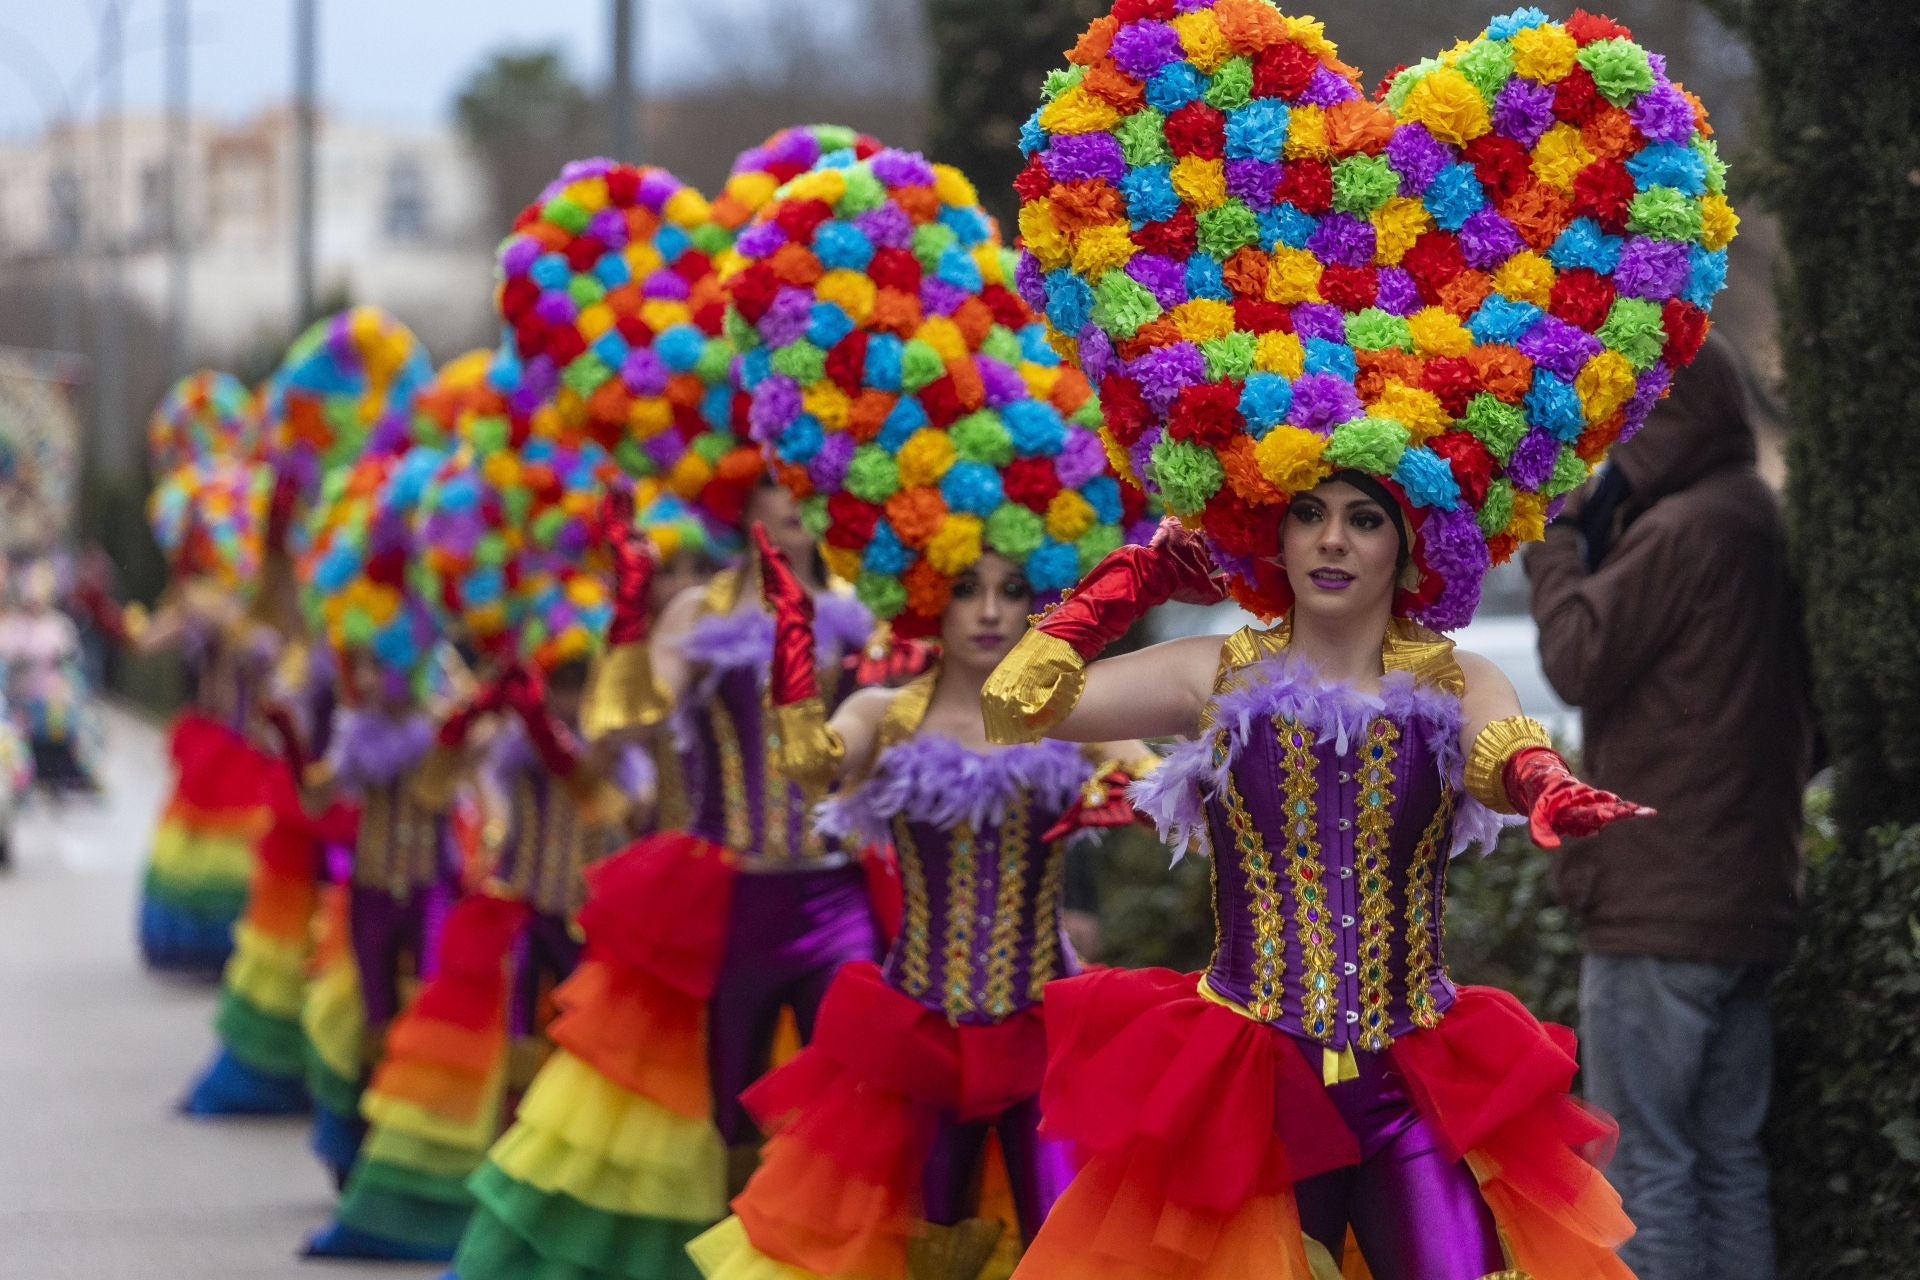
x=1681 y=1054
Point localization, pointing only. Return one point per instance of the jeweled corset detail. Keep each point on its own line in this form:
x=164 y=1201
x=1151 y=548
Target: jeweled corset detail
x=547 y=846
x=1329 y=869
x=675 y=783
x=397 y=849
x=981 y=935
x=747 y=805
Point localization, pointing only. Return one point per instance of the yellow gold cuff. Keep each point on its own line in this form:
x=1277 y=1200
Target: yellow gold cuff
x=1495 y=745
x=318 y=774
x=623 y=693
x=806 y=750
x=134 y=620
x=1034 y=688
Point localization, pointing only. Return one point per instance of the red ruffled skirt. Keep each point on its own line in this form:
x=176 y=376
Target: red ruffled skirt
x=854 y=1116
x=1195 y=1122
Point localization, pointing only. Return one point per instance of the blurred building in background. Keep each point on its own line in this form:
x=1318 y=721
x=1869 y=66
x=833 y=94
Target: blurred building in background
x=402 y=222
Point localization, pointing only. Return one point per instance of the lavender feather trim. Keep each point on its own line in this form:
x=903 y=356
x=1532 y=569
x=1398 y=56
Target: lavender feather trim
x=371 y=750
x=1282 y=688
x=726 y=642
x=937 y=781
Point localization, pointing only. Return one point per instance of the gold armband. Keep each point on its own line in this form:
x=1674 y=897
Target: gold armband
x=622 y=693
x=436 y=778
x=319 y=774
x=134 y=621
x=806 y=750
x=1495 y=745
x=1034 y=688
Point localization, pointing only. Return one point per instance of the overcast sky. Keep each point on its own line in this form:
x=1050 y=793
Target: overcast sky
x=397 y=61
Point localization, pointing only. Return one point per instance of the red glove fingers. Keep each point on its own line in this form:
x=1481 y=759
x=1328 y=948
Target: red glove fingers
x=792 y=677
x=1558 y=804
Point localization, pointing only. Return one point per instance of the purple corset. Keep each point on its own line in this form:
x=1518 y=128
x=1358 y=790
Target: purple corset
x=981 y=935
x=744 y=802
x=1331 y=816
x=546 y=844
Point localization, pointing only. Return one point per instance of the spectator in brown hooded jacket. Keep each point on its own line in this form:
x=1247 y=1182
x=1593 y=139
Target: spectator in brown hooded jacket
x=1667 y=616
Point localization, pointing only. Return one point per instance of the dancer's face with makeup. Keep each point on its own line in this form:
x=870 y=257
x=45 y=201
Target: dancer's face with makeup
x=1341 y=550
x=987 y=614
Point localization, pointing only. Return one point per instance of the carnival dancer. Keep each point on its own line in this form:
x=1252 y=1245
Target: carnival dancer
x=47 y=690
x=207 y=514
x=345 y=389
x=878 y=1126
x=563 y=796
x=1518 y=251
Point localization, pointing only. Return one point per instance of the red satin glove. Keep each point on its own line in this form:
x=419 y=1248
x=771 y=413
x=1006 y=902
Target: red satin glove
x=279 y=718
x=891 y=664
x=633 y=570
x=792 y=677
x=1129 y=582
x=280 y=511
x=1101 y=803
x=1557 y=803
x=526 y=695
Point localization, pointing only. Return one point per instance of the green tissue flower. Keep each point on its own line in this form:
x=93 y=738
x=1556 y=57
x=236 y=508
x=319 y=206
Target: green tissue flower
x=872 y=476
x=920 y=365
x=1619 y=67
x=1229 y=356
x=1231 y=86
x=1569 y=473
x=1014 y=531
x=488 y=434
x=1498 y=508
x=1001 y=344
x=586 y=373
x=930 y=240
x=805 y=363
x=711 y=446
x=980 y=437
x=1186 y=474
x=1377 y=330
x=1143 y=138
x=1633 y=329
x=1403 y=83
x=585 y=290
x=1496 y=424
x=1227 y=227
x=1716 y=167
x=739 y=331
x=1088 y=415
x=711 y=239
x=1095 y=545
x=1362 y=184
x=1060 y=80
x=864 y=192
x=564 y=213
x=1122 y=304
x=813 y=514
x=883 y=594
x=1487 y=65
x=1368 y=444
x=1665 y=214
x=716 y=357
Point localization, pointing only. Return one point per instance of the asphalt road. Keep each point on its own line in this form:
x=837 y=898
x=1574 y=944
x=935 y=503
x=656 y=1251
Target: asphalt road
x=99 y=1178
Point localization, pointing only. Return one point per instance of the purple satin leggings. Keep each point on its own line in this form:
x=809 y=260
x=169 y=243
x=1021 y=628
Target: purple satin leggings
x=1415 y=1212
x=1039 y=1169
x=392 y=938
x=788 y=934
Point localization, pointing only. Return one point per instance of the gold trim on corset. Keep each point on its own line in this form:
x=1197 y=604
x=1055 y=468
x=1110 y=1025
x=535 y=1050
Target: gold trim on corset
x=776 y=803
x=1046 y=922
x=525 y=821
x=961 y=885
x=733 y=776
x=906 y=709
x=1420 y=902
x=915 y=976
x=1312 y=913
x=672 y=807
x=1009 y=894
x=1269 y=923
x=1372 y=829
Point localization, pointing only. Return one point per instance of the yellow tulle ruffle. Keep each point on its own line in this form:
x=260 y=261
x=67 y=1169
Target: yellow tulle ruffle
x=268 y=973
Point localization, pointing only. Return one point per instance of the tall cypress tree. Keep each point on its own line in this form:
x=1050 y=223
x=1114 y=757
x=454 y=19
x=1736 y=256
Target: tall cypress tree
x=1841 y=106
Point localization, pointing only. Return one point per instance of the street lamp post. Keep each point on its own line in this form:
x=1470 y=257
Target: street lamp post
x=118 y=453
x=620 y=95
x=306 y=21
x=178 y=20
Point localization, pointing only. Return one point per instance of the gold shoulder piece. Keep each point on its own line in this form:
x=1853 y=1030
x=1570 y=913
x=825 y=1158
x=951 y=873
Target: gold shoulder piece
x=805 y=748
x=435 y=779
x=1492 y=748
x=1427 y=655
x=723 y=591
x=907 y=708
x=295 y=667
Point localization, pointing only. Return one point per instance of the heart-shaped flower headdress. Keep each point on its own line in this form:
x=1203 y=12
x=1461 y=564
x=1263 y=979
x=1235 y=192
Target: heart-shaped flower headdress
x=609 y=286
x=206 y=414
x=1468 y=288
x=907 y=396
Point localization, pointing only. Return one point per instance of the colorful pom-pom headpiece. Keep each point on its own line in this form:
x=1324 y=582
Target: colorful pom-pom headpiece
x=346 y=387
x=206 y=414
x=674 y=528
x=610 y=290
x=209 y=518
x=1469 y=287
x=907 y=396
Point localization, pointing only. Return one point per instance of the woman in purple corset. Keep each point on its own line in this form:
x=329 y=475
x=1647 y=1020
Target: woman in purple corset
x=879 y=1127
